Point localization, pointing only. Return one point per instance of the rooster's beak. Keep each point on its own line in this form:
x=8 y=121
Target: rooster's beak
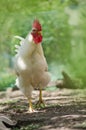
x=39 y=32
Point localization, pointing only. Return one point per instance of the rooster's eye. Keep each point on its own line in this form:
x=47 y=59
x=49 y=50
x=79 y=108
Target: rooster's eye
x=34 y=30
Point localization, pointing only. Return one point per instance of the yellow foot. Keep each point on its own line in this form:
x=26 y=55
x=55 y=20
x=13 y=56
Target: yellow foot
x=31 y=110
x=40 y=104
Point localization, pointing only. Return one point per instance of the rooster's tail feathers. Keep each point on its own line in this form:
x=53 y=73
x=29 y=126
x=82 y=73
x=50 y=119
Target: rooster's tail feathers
x=21 y=41
x=18 y=37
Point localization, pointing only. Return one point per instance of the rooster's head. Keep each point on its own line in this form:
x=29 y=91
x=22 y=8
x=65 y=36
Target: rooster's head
x=36 y=32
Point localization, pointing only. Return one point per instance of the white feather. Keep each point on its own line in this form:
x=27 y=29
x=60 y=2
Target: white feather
x=19 y=37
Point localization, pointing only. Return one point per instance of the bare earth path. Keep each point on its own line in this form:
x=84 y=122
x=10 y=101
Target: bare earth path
x=65 y=110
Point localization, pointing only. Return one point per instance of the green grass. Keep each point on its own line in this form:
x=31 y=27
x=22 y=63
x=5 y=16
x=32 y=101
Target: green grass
x=7 y=81
x=29 y=127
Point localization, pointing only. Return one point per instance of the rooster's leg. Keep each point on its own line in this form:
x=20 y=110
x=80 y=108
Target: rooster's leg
x=30 y=106
x=40 y=102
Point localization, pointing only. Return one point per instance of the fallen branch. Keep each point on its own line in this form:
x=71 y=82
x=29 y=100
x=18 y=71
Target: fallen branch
x=6 y=123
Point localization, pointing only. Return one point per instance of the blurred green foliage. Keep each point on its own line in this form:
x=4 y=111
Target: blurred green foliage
x=7 y=81
x=64 y=41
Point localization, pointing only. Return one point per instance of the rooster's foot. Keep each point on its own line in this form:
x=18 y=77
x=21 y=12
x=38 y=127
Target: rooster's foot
x=40 y=104
x=32 y=110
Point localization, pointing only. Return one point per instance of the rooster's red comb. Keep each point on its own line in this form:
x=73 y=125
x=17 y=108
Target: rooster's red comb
x=37 y=25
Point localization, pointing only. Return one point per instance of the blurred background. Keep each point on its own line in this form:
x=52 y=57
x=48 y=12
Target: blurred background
x=64 y=36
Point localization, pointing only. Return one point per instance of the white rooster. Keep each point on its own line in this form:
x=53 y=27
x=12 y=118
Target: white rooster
x=30 y=64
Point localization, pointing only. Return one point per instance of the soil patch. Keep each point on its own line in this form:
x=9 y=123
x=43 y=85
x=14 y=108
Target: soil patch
x=65 y=110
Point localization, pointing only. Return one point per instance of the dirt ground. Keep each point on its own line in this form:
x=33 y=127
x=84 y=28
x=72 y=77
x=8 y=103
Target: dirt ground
x=65 y=110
